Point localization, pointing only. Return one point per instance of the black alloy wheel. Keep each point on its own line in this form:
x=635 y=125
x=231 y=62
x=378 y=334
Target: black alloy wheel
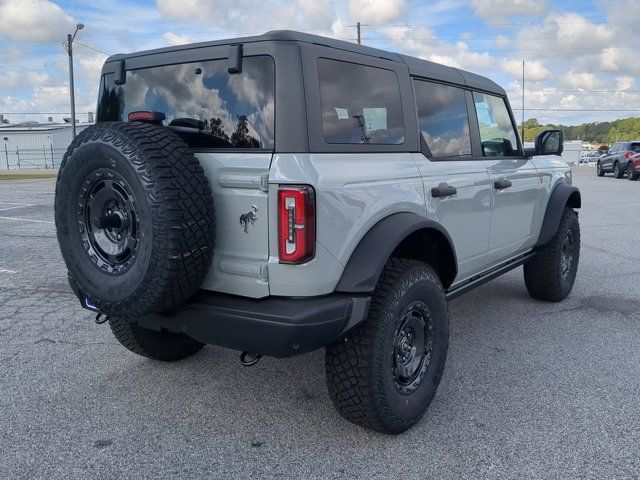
x=108 y=222
x=413 y=347
x=566 y=258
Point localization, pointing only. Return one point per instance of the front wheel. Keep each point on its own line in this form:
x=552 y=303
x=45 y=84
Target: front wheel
x=384 y=373
x=599 y=170
x=551 y=274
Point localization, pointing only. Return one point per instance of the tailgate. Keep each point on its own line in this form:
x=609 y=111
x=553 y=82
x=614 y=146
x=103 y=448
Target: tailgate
x=239 y=185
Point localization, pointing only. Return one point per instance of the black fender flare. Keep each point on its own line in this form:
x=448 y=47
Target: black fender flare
x=374 y=249
x=563 y=195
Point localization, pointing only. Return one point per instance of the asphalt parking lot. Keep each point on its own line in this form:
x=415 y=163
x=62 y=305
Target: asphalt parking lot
x=531 y=390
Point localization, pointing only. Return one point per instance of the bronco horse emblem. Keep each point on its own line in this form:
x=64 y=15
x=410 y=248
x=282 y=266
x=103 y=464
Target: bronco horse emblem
x=249 y=218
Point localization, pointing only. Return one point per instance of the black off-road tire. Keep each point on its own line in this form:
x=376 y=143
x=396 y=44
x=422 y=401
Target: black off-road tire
x=157 y=345
x=360 y=366
x=599 y=170
x=617 y=171
x=544 y=276
x=631 y=174
x=168 y=193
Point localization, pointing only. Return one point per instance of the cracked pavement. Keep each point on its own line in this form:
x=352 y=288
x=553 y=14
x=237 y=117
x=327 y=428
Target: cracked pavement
x=531 y=390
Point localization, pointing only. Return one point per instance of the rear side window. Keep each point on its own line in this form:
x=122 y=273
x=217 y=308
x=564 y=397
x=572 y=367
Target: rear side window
x=201 y=101
x=443 y=119
x=360 y=104
x=497 y=135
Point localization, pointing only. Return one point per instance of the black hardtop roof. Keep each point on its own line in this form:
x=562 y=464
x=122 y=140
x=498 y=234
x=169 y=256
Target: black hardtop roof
x=417 y=66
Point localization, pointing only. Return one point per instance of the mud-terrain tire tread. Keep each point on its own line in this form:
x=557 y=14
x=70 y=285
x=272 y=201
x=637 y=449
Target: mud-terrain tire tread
x=354 y=384
x=182 y=210
x=542 y=274
x=157 y=345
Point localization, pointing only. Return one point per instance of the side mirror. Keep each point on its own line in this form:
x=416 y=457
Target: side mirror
x=548 y=142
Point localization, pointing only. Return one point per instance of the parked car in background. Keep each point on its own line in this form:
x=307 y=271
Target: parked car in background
x=616 y=160
x=589 y=156
x=633 y=167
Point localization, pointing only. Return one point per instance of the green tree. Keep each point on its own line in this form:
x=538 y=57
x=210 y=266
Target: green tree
x=241 y=138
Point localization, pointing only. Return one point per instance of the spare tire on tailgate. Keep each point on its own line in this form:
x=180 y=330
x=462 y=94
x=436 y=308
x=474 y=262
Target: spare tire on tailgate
x=134 y=217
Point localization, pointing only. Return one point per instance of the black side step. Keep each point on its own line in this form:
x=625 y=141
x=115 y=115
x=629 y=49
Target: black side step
x=478 y=280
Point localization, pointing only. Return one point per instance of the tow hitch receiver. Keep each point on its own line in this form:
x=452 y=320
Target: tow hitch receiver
x=249 y=359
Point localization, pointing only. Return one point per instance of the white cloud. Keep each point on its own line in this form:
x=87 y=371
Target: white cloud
x=498 y=10
x=617 y=10
x=34 y=20
x=582 y=81
x=173 y=39
x=247 y=16
x=502 y=41
x=376 y=11
x=533 y=68
x=625 y=82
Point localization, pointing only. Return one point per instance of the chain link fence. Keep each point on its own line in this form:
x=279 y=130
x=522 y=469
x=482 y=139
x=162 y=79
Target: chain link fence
x=45 y=158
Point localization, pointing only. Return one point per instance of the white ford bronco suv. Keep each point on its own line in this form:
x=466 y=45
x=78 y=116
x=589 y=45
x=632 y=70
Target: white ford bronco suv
x=285 y=192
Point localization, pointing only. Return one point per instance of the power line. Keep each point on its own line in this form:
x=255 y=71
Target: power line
x=555 y=74
x=189 y=34
x=580 y=109
x=487 y=50
x=493 y=38
x=576 y=91
x=483 y=25
x=92 y=48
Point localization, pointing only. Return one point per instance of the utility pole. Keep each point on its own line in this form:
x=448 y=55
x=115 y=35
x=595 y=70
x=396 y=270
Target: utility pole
x=358 y=29
x=69 y=48
x=522 y=126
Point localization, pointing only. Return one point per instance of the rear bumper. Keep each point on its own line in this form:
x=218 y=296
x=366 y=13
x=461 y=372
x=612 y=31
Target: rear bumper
x=274 y=326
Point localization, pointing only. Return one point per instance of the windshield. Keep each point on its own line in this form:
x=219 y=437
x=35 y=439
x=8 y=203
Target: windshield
x=201 y=101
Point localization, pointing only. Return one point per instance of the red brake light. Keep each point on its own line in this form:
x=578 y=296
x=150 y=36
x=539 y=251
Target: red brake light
x=296 y=223
x=145 y=116
x=628 y=154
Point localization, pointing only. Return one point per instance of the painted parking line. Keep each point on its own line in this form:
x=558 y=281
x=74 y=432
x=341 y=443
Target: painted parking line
x=23 y=205
x=4 y=209
x=6 y=270
x=26 y=220
x=14 y=203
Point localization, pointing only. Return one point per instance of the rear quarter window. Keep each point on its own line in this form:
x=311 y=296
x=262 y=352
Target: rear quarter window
x=201 y=101
x=360 y=104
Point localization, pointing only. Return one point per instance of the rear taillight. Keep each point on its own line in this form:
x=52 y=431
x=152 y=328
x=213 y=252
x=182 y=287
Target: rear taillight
x=296 y=223
x=628 y=154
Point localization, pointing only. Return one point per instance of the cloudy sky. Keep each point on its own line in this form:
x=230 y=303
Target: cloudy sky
x=582 y=56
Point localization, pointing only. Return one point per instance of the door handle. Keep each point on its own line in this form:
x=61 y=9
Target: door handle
x=443 y=190
x=502 y=184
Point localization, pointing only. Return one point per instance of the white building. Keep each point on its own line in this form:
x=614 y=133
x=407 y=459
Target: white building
x=35 y=145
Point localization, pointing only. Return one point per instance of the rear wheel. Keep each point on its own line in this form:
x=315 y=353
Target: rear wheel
x=157 y=345
x=617 y=171
x=599 y=170
x=384 y=373
x=551 y=274
x=631 y=174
